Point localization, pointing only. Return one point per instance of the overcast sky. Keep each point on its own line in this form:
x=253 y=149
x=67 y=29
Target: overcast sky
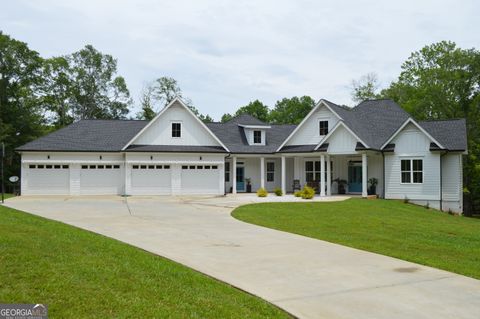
x=227 y=53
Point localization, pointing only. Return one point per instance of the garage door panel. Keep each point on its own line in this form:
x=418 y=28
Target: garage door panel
x=48 y=179
x=200 y=179
x=101 y=179
x=151 y=179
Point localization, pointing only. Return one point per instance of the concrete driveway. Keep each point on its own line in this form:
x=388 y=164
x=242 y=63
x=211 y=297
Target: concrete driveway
x=309 y=278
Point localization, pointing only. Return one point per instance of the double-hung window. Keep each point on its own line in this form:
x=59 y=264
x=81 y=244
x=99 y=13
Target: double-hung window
x=411 y=171
x=257 y=137
x=270 y=171
x=323 y=128
x=176 y=129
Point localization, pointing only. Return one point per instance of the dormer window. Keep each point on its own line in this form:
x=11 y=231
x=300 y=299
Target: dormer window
x=323 y=125
x=257 y=137
x=177 y=129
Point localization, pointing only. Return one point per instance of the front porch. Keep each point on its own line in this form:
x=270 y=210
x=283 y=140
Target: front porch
x=343 y=174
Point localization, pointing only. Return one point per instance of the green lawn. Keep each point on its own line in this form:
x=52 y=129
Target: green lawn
x=392 y=228
x=83 y=275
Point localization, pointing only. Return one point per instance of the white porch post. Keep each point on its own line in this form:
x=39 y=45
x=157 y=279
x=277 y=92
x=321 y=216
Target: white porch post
x=364 y=175
x=284 y=189
x=262 y=172
x=329 y=177
x=322 y=175
x=234 y=173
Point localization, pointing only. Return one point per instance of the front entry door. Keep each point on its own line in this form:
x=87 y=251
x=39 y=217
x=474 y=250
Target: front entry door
x=240 y=179
x=355 y=178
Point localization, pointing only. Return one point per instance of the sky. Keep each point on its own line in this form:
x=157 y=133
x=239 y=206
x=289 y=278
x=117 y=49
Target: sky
x=225 y=53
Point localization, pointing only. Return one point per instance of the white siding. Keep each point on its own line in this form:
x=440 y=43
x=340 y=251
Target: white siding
x=309 y=132
x=160 y=132
x=249 y=136
x=412 y=143
x=452 y=186
x=341 y=142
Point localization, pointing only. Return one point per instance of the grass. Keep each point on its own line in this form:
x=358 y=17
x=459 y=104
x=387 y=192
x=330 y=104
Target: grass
x=79 y=274
x=391 y=228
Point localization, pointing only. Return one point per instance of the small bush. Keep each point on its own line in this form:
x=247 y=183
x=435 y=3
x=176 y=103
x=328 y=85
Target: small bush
x=308 y=192
x=262 y=192
x=298 y=194
x=278 y=191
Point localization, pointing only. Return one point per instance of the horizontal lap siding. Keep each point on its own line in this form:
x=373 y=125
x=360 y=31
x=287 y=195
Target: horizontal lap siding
x=412 y=143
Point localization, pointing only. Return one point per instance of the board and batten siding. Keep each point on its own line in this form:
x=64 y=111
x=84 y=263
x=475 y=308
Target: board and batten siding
x=309 y=132
x=160 y=131
x=452 y=182
x=411 y=143
x=341 y=142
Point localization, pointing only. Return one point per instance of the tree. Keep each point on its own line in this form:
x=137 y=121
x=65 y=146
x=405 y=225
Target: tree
x=57 y=90
x=442 y=81
x=160 y=93
x=97 y=92
x=256 y=109
x=291 y=111
x=365 y=88
x=21 y=113
x=226 y=117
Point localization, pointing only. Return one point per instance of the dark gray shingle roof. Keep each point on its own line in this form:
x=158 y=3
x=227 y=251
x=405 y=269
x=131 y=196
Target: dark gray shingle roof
x=88 y=135
x=247 y=119
x=233 y=136
x=452 y=134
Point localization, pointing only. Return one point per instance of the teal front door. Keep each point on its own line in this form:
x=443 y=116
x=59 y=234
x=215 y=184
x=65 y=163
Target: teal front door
x=354 y=178
x=240 y=179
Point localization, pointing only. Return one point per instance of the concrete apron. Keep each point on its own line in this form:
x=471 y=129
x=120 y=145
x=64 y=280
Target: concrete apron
x=307 y=277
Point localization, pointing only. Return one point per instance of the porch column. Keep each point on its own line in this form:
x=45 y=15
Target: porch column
x=234 y=175
x=284 y=189
x=262 y=172
x=329 y=177
x=364 y=175
x=322 y=175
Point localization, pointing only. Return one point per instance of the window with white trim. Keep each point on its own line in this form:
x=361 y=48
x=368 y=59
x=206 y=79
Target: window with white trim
x=257 y=137
x=411 y=171
x=270 y=171
x=176 y=129
x=323 y=128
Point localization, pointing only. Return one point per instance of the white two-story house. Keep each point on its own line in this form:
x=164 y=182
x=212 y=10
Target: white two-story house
x=334 y=149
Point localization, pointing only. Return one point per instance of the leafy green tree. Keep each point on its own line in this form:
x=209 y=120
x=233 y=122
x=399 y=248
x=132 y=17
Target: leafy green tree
x=291 y=110
x=97 y=92
x=256 y=109
x=21 y=114
x=57 y=90
x=226 y=117
x=366 y=88
x=442 y=81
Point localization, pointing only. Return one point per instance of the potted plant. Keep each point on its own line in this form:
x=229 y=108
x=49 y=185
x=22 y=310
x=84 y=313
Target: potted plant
x=372 y=189
x=249 y=184
x=341 y=185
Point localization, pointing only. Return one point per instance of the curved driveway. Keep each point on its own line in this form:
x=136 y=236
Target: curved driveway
x=307 y=277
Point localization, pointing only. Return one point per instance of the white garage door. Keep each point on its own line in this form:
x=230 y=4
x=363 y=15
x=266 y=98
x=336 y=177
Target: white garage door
x=151 y=179
x=101 y=179
x=200 y=179
x=48 y=179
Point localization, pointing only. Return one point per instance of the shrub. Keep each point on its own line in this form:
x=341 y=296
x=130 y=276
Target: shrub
x=298 y=193
x=262 y=192
x=308 y=192
x=278 y=191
